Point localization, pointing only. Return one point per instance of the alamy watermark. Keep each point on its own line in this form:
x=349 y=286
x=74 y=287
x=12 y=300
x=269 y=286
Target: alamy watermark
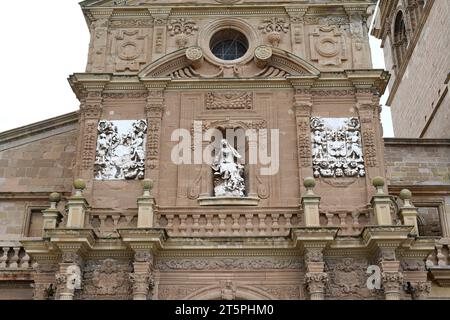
x=251 y=146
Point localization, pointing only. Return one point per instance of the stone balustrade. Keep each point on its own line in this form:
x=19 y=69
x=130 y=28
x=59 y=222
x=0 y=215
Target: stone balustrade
x=350 y=223
x=106 y=223
x=235 y=223
x=13 y=257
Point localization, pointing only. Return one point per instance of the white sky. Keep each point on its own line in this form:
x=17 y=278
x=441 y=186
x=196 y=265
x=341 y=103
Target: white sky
x=42 y=47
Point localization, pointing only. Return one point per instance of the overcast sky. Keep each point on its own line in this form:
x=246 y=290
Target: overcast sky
x=41 y=47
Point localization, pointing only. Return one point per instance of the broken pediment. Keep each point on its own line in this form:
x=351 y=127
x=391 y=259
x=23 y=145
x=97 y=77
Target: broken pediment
x=190 y=63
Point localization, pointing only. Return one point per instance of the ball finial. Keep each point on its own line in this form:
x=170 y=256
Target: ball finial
x=405 y=194
x=79 y=184
x=54 y=197
x=148 y=184
x=309 y=182
x=378 y=182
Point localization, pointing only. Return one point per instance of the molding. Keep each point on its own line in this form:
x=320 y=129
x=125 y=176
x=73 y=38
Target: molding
x=38 y=131
x=416 y=142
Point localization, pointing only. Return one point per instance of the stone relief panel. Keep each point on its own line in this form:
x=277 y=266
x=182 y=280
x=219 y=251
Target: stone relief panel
x=328 y=46
x=229 y=101
x=129 y=50
x=336 y=147
x=120 y=150
x=182 y=29
x=348 y=279
x=274 y=28
x=107 y=279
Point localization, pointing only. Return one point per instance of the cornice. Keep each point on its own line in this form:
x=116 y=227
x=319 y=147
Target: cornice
x=22 y=135
x=413 y=142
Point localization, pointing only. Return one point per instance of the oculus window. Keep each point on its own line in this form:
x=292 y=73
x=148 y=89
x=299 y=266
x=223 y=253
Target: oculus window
x=229 y=44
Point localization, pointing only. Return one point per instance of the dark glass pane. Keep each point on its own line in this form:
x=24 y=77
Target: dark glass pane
x=429 y=222
x=229 y=50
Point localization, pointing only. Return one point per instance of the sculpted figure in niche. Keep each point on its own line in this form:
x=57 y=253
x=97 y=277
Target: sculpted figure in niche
x=228 y=173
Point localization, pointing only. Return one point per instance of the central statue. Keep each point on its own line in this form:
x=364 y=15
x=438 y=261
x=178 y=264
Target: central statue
x=228 y=173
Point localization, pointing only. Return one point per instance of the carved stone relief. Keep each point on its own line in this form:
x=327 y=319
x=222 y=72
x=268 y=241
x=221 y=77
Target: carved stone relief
x=274 y=28
x=108 y=279
x=231 y=100
x=130 y=47
x=120 y=150
x=228 y=264
x=348 y=279
x=328 y=46
x=336 y=147
x=182 y=28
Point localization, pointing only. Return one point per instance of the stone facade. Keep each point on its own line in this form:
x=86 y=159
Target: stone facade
x=419 y=69
x=302 y=68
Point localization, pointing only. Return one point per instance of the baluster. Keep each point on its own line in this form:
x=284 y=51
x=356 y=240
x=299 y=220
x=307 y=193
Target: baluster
x=25 y=261
x=209 y=225
x=195 y=226
x=262 y=224
x=13 y=261
x=288 y=217
x=235 y=227
x=102 y=219
x=116 y=219
x=329 y=219
x=275 y=225
x=183 y=227
x=222 y=226
x=355 y=216
x=202 y=227
x=248 y=225
x=440 y=256
x=342 y=218
x=4 y=258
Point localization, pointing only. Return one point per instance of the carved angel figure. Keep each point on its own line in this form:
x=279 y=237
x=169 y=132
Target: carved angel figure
x=228 y=174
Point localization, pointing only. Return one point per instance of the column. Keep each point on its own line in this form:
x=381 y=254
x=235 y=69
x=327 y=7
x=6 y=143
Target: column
x=316 y=279
x=303 y=108
x=142 y=276
x=69 y=277
x=391 y=277
x=154 y=110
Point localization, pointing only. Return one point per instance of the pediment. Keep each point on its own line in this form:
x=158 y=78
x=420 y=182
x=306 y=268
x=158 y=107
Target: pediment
x=177 y=65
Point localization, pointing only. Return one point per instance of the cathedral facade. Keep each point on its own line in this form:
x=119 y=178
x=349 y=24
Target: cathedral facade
x=224 y=149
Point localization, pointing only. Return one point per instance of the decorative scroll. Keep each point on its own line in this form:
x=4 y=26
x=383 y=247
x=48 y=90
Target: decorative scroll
x=336 y=147
x=120 y=150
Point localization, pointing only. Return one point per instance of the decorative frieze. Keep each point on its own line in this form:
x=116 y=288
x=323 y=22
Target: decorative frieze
x=228 y=264
x=120 y=150
x=336 y=147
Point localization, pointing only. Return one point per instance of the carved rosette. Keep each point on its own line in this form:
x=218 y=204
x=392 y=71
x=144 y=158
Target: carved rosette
x=315 y=284
x=392 y=284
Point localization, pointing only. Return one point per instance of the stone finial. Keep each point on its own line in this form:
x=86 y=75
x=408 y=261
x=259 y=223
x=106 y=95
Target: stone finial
x=309 y=184
x=378 y=183
x=54 y=198
x=148 y=187
x=79 y=186
x=406 y=196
